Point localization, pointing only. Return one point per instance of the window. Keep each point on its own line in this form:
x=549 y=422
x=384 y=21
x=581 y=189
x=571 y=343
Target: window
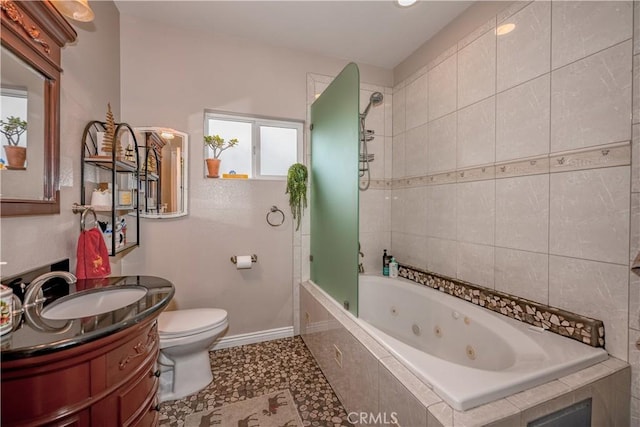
x=266 y=147
x=13 y=102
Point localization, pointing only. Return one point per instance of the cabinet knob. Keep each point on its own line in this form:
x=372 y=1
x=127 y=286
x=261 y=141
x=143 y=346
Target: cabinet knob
x=156 y=407
x=156 y=373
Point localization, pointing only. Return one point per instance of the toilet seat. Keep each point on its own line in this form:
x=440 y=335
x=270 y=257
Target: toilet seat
x=181 y=323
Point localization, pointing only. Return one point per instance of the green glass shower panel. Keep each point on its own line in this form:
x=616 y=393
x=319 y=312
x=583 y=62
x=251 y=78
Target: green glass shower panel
x=334 y=188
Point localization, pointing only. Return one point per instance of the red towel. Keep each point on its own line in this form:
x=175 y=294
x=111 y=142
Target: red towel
x=93 y=258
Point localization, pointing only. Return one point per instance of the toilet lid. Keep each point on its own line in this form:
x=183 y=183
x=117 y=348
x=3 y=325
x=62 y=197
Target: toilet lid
x=192 y=321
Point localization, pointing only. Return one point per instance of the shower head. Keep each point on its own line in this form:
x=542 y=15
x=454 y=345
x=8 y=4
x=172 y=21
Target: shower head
x=374 y=100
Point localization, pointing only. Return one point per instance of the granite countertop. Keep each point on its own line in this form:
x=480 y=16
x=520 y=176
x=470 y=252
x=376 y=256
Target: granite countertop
x=42 y=336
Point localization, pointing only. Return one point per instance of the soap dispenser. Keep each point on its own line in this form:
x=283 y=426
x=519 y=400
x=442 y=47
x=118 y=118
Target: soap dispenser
x=385 y=263
x=393 y=268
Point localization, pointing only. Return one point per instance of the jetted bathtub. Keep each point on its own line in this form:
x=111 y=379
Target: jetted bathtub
x=467 y=354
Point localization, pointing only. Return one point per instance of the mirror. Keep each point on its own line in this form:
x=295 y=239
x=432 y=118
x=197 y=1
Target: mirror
x=21 y=128
x=32 y=36
x=163 y=172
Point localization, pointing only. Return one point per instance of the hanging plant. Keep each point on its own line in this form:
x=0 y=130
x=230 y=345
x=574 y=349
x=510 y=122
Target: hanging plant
x=297 y=190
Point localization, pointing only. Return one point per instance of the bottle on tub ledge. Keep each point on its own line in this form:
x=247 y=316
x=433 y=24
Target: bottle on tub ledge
x=393 y=268
x=385 y=263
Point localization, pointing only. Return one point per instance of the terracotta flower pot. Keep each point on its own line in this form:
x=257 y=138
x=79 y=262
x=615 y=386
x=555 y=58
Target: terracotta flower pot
x=213 y=168
x=16 y=156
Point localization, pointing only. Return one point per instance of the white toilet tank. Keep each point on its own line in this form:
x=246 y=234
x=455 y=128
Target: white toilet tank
x=180 y=323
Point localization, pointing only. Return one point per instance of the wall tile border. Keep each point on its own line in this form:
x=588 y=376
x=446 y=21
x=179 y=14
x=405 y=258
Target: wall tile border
x=562 y=322
x=605 y=156
x=618 y=154
x=377 y=184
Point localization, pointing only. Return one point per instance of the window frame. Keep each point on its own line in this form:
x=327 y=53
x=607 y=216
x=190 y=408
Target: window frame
x=256 y=123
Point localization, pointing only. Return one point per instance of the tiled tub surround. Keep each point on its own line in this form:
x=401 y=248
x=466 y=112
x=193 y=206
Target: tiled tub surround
x=529 y=181
x=580 y=328
x=369 y=379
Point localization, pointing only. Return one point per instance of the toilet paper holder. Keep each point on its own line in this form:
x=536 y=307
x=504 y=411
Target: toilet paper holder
x=234 y=259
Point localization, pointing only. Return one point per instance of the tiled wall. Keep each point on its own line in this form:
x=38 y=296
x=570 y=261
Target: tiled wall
x=634 y=285
x=512 y=163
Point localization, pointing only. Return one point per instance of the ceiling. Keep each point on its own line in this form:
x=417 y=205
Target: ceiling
x=374 y=32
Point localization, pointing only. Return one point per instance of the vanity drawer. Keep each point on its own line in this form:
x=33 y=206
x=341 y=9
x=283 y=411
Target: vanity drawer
x=150 y=418
x=136 y=400
x=128 y=358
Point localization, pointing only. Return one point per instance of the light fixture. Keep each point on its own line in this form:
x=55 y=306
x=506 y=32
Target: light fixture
x=405 y=3
x=78 y=10
x=165 y=134
x=505 y=29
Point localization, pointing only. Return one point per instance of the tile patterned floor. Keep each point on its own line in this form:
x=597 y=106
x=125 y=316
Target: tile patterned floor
x=247 y=371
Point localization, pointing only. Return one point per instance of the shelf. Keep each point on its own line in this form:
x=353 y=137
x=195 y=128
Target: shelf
x=149 y=176
x=109 y=209
x=99 y=170
x=127 y=246
x=106 y=162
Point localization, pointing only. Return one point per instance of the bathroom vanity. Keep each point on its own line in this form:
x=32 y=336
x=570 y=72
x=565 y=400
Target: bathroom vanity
x=94 y=370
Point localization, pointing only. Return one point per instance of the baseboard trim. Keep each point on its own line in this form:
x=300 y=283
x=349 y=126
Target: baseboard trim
x=253 y=337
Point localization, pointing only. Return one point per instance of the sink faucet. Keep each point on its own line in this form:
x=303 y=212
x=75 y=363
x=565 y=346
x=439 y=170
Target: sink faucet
x=32 y=302
x=360 y=265
x=33 y=290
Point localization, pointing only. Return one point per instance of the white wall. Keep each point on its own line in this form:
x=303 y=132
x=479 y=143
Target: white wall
x=90 y=79
x=169 y=77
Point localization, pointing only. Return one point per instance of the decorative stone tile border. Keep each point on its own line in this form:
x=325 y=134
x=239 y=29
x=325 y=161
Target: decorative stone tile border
x=562 y=322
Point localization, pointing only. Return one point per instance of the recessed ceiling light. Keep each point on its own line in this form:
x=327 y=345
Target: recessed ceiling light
x=505 y=29
x=405 y=3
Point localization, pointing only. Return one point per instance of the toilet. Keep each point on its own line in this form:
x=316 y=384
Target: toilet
x=185 y=339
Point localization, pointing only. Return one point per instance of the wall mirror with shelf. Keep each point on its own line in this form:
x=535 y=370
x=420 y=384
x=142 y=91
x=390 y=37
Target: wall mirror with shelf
x=32 y=35
x=163 y=172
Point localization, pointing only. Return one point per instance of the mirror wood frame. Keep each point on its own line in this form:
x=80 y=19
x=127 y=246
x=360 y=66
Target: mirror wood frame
x=35 y=32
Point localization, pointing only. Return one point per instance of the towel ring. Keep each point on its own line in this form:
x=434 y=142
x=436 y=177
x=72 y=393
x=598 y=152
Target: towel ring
x=275 y=209
x=84 y=217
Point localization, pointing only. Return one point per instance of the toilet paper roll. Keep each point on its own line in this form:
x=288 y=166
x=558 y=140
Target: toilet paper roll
x=243 y=262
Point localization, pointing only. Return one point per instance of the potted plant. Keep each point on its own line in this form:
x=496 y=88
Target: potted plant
x=12 y=128
x=217 y=145
x=297 y=189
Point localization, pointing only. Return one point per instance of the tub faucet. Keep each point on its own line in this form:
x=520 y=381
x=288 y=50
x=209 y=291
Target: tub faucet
x=360 y=265
x=31 y=295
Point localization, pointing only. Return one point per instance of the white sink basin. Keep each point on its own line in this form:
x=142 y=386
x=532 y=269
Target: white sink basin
x=93 y=302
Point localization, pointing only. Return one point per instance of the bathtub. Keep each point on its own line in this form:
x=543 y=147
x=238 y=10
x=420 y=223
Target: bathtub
x=467 y=354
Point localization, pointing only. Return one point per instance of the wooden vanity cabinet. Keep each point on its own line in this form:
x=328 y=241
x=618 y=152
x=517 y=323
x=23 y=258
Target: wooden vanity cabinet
x=109 y=382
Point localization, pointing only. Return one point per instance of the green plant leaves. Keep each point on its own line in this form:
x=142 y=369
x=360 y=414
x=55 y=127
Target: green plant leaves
x=13 y=127
x=297 y=189
x=218 y=145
